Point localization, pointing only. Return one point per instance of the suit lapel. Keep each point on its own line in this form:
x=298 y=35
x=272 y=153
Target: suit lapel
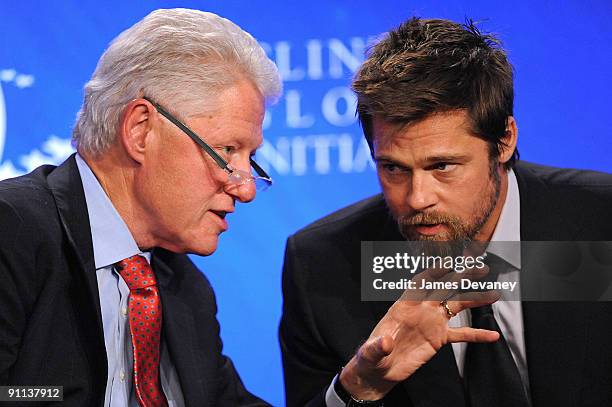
x=67 y=189
x=552 y=329
x=539 y=210
x=388 y=232
x=179 y=330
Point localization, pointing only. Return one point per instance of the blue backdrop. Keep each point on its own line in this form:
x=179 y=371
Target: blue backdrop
x=561 y=52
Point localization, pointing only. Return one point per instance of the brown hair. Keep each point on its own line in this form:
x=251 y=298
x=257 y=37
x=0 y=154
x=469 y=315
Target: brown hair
x=432 y=66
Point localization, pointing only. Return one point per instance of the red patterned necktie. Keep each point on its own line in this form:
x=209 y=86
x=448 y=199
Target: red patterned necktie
x=145 y=314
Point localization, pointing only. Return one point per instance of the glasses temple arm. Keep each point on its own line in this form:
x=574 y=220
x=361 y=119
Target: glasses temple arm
x=260 y=171
x=218 y=159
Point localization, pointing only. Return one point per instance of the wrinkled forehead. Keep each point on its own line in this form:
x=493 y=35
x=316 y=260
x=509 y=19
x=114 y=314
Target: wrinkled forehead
x=437 y=134
x=455 y=121
x=236 y=118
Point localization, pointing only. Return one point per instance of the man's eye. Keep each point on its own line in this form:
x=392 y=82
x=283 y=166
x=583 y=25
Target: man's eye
x=444 y=167
x=392 y=168
x=227 y=150
x=389 y=167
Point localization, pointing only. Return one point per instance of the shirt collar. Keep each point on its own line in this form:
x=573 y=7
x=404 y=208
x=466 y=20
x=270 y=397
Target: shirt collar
x=111 y=238
x=508 y=228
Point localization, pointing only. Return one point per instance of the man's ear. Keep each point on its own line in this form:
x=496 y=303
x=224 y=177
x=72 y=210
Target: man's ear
x=509 y=141
x=135 y=127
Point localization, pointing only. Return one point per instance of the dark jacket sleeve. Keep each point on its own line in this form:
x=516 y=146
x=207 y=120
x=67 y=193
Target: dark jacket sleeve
x=308 y=365
x=232 y=392
x=16 y=293
x=205 y=371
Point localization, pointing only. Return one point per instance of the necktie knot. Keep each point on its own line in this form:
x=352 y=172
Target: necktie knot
x=480 y=312
x=136 y=272
x=496 y=265
x=483 y=317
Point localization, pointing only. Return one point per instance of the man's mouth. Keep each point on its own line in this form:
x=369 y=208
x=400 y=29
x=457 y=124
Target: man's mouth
x=220 y=214
x=428 y=229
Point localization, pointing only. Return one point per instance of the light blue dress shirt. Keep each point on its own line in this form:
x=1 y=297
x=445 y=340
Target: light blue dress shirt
x=113 y=242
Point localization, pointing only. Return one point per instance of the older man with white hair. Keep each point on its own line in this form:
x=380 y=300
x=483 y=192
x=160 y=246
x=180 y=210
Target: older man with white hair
x=97 y=293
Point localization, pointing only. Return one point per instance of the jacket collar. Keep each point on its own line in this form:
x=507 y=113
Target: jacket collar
x=67 y=190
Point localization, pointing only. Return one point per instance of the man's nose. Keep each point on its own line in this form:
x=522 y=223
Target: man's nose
x=244 y=192
x=421 y=194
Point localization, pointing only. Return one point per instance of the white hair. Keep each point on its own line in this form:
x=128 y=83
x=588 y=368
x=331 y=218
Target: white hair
x=177 y=57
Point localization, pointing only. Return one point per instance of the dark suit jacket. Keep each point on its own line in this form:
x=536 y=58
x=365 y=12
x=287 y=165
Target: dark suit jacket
x=51 y=330
x=568 y=345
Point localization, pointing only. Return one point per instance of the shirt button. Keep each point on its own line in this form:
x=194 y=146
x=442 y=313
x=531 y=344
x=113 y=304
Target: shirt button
x=122 y=375
x=124 y=311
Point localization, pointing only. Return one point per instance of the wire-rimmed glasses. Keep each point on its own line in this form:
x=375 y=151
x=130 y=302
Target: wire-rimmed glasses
x=236 y=176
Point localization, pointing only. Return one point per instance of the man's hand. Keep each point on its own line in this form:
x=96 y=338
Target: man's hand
x=408 y=336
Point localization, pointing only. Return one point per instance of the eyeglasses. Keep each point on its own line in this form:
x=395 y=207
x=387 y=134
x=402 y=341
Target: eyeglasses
x=235 y=176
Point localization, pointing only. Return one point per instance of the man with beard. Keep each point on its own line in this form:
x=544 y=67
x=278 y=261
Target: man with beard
x=435 y=100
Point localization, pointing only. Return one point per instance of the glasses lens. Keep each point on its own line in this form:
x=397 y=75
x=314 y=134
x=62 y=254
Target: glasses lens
x=236 y=177
x=261 y=184
x=239 y=177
